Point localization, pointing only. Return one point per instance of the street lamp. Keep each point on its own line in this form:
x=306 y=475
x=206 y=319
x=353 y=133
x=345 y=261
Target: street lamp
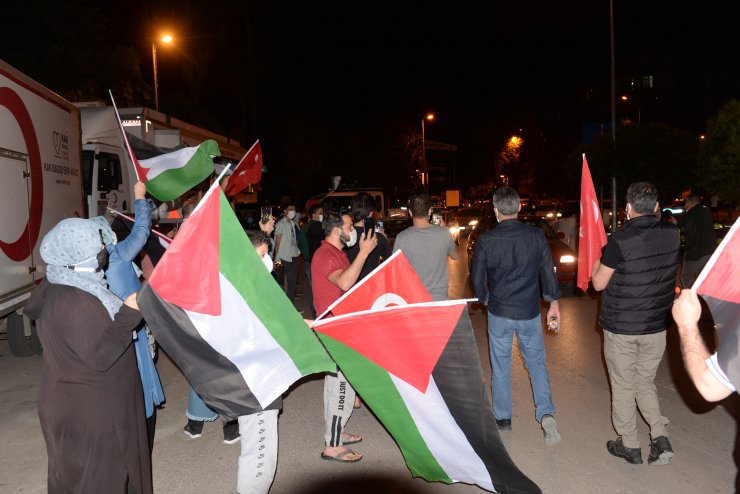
x=164 y=39
x=430 y=117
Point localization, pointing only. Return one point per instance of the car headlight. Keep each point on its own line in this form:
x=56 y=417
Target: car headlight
x=454 y=230
x=473 y=222
x=560 y=215
x=568 y=259
x=549 y=215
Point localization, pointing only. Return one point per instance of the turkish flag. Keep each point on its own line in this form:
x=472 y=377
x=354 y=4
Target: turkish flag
x=592 y=234
x=248 y=171
x=392 y=283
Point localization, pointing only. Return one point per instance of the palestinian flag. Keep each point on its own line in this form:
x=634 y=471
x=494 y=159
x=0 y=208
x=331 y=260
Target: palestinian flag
x=417 y=368
x=719 y=285
x=394 y=282
x=221 y=317
x=170 y=175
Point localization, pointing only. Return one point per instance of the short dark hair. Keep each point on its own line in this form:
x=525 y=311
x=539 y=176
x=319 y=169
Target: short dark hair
x=693 y=199
x=643 y=196
x=314 y=207
x=506 y=201
x=332 y=219
x=258 y=237
x=362 y=205
x=419 y=204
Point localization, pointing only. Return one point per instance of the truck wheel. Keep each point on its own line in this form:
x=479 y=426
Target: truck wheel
x=20 y=344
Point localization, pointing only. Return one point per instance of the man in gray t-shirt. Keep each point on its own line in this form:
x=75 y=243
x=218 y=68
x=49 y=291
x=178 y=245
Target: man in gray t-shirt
x=427 y=246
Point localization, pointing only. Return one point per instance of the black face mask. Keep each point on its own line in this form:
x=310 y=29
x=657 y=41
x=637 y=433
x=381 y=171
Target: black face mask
x=102 y=260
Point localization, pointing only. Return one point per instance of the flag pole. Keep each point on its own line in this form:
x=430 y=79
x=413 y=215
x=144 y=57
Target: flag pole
x=125 y=139
x=215 y=185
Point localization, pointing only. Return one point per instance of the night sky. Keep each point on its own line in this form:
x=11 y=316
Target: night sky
x=303 y=76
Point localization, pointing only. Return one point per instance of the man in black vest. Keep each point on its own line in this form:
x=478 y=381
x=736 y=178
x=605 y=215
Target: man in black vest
x=638 y=271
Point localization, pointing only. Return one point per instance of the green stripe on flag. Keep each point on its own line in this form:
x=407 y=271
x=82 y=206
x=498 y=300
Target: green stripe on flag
x=378 y=391
x=240 y=264
x=173 y=183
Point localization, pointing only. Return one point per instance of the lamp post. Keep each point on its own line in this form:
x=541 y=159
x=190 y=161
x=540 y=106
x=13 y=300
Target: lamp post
x=425 y=174
x=164 y=39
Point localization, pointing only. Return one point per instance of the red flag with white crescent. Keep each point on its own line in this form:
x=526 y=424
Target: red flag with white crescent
x=248 y=171
x=592 y=234
x=392 y=283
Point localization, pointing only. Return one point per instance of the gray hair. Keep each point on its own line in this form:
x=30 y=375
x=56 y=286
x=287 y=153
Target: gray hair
x=506 y=200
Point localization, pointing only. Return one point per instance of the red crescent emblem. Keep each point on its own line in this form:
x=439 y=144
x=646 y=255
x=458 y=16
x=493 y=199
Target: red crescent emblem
x=21 y=248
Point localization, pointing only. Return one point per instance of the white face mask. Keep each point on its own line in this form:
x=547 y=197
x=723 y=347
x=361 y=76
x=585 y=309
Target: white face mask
x=267 y=261
x=352 y=238
x=291 y=214
x=321 y=217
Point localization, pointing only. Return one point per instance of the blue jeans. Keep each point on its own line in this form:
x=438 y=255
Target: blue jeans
x=198 y=410
x=529 y=335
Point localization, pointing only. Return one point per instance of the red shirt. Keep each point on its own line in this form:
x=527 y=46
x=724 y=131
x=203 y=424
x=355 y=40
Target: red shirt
x=326 y=260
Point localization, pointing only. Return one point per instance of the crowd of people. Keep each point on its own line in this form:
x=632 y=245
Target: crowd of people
x=100 y=388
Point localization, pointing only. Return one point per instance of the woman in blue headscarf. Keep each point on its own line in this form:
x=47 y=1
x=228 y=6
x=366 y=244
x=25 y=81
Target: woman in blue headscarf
x=90 y=404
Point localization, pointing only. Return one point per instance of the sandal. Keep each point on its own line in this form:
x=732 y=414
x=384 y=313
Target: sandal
x=339 y=456
x=351 y=438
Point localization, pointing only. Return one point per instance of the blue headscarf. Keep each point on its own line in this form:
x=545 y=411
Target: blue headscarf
x=75 y=243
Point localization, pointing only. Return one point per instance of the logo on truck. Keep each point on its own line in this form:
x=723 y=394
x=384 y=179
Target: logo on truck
x=21 y=248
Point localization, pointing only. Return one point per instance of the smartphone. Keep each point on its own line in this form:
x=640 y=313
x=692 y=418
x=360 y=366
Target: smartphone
x=266 y=213
x=367 y=225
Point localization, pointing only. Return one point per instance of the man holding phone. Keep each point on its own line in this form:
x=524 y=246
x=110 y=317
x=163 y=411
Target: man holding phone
x=362 y=208
x=333 y=274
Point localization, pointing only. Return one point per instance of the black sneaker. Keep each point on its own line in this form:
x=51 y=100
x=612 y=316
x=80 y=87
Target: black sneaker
x=632 y=455
x=503 y=424
x=231 y=432
x=194 y=428
x=660 y=451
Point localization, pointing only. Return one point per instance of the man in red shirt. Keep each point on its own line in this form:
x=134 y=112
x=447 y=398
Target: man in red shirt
x=332 y=275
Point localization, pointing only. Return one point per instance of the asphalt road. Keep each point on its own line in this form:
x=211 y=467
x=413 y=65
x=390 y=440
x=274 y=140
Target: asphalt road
x=703 y=435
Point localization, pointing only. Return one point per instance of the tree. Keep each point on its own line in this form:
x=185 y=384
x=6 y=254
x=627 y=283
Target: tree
x=656 y=153
x=719 y=155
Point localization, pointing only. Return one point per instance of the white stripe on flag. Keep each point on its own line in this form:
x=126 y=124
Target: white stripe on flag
x=241 y=337
x=443 y=436
x=170 y=161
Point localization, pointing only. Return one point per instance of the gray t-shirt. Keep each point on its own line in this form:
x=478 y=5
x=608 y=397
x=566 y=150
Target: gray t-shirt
x=427 y=249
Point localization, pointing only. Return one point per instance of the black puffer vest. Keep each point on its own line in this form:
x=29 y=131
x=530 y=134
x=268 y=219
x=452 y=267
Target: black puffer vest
x=640 y=293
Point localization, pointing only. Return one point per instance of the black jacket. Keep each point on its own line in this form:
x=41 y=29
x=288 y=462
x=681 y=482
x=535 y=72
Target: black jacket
x=644 y=254
x=510 y=263
x=700 y=238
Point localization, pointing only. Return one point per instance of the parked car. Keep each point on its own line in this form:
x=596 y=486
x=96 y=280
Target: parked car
x=564 y=257
x=467 y=218
x=393 y=226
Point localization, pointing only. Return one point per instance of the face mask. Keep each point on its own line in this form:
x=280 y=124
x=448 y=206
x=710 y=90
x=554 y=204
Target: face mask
x=321 y=217
x=291 y=214
x=267 y=261
x=102 y=260
x=352 y=239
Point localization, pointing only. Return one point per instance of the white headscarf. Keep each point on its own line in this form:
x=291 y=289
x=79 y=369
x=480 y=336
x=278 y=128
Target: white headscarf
x=75 y=243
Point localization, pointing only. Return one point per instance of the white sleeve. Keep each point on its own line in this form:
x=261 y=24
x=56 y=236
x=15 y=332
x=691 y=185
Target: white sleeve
x=717 y=372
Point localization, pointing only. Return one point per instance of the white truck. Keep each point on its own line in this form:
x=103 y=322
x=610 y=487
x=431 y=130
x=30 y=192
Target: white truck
x=61 y=160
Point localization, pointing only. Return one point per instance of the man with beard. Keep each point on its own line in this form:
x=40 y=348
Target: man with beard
x=332 y=275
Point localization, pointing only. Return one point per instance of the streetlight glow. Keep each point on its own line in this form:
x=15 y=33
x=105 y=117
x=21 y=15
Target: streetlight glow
x=430 y=116
x=624 y=98
x=166 y=39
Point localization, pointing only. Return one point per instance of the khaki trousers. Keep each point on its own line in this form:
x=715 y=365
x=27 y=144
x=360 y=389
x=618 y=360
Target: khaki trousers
x=632 y=361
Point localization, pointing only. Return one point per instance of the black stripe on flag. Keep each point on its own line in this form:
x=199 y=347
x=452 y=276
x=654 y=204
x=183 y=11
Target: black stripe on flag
x=214 y=377
x=459 y=379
